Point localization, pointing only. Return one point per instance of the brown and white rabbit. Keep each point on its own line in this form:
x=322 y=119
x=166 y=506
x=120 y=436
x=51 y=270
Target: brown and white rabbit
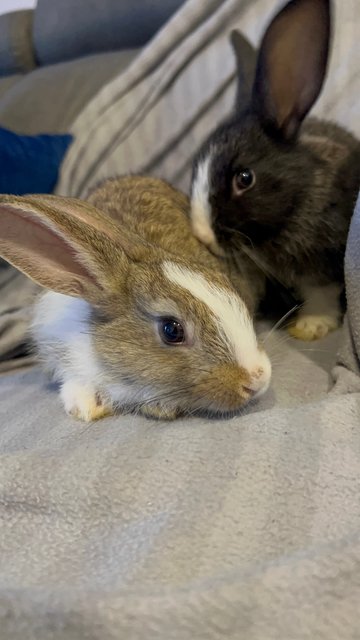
x=266 y=189
x=139 y=315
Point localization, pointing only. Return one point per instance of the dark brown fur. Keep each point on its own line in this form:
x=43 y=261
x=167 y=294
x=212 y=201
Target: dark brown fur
x=293 y=223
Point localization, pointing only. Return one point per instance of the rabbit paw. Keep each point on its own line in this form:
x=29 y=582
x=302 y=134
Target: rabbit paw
x=313 y=327
x=158 y=412
x=84 y=402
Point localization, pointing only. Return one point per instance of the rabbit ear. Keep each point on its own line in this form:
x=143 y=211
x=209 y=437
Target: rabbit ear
x=292 y=64
x=62 y=244
x=245 y=55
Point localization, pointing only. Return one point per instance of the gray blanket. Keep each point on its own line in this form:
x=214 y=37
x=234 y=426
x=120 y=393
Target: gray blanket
x=241 y=529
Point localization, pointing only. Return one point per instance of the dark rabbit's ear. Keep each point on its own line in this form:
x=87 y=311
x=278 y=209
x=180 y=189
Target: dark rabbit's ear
x=245 y=55
x=62 y=244
x=292 y=65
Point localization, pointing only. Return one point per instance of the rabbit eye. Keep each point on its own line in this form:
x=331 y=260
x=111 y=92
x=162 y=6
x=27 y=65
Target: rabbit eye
x=171 y=331
x=242 y=181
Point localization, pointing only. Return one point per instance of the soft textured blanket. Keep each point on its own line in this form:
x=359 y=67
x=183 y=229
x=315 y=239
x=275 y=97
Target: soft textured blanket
x=242 y=529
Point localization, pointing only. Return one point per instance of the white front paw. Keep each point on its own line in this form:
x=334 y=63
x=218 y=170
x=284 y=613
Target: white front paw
x=84 y=402
x=313 y=327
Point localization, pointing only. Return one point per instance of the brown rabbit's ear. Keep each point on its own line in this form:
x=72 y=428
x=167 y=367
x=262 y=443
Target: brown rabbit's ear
x=245 y=55
x=292 y=64
x=62 y=244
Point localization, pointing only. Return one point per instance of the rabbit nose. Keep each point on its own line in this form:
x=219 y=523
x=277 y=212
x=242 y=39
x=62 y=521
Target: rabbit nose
x=259 y=379
x=250 y=391
x=257 y=383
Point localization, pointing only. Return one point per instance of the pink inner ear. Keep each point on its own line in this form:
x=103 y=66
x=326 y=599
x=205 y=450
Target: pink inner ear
x=31 y=245
x=292 y=81
x=292 y=63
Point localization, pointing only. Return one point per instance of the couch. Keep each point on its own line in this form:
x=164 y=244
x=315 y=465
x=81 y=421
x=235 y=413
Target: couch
x=132 y=529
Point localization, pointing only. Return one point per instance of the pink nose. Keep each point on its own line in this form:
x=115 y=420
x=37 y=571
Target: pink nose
x=250 y=391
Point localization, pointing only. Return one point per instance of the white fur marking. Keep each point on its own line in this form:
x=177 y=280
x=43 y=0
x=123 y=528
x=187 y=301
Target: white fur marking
x=200 y=207
x=320 y=313
x=84 y=402
x=230 y=312
x=61 y=329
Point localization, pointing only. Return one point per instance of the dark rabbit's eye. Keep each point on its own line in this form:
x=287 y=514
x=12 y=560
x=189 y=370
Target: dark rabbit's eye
x=171 y=331
x=242 y=181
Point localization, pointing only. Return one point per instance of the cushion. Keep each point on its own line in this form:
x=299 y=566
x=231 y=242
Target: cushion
x=30 y=164
x=73 y=28
x=16 y=46
x=67 y=87
x=7 y=82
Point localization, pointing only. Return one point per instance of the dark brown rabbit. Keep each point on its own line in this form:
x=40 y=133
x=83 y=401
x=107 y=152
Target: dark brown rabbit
x=270 y=192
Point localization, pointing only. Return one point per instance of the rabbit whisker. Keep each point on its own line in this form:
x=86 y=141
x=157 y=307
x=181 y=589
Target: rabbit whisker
x=280 y=322
x=238 y=233
x=236 y=248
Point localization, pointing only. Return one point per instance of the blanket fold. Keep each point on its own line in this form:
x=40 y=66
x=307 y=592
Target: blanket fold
x=347 y=370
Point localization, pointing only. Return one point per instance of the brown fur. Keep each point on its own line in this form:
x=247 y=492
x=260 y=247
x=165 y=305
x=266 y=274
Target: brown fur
x=110 y=251
x=164 y=222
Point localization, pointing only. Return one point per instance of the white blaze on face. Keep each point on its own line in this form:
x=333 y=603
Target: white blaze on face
x=230 y=315
x=200 y=207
